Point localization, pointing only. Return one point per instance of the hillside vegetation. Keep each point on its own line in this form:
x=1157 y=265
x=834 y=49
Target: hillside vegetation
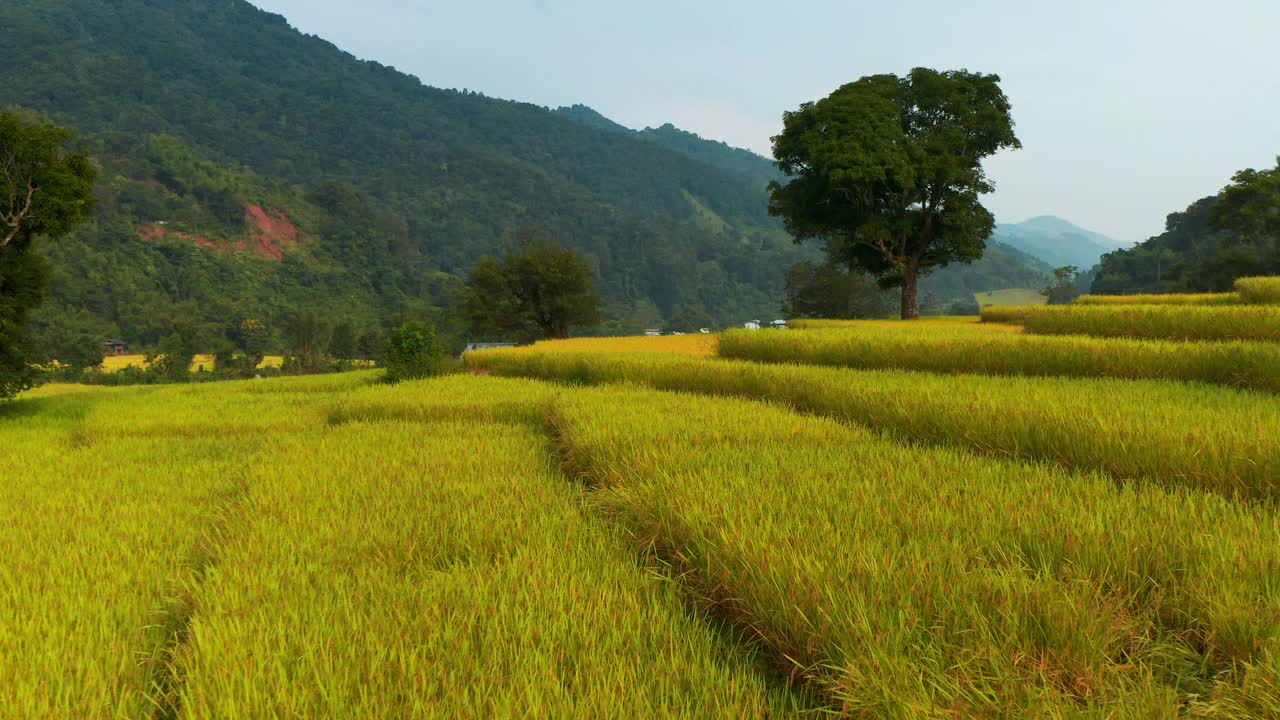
x=451 y=174
x=252 y=171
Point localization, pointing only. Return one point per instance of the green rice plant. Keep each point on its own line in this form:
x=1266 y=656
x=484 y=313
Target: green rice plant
x=1162 y=299
x=1200 y=436
x=1259 y=290
x=432 y=565
x=1249 y=365
x=1166 y=322
x=1011 y=314
x=908 y=582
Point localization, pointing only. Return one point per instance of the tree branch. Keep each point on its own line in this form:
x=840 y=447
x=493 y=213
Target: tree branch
x=14 y=220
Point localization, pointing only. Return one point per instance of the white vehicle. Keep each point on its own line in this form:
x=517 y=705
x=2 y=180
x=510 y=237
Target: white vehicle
x=705 y=331
x=653 y=332
x=778 y=324
x=752 y=325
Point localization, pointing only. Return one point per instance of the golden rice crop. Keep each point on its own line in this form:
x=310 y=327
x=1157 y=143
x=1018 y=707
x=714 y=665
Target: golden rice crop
x=1218 y=439
x=255 y=549
x=926 y=324
x=693 y=344
x=1162 y=299
x=1166 y=322
x=100 y=536
x=909 y=582
x=1252 y=365
x=1010 y=314
x=1262 y=290
x=113 y=363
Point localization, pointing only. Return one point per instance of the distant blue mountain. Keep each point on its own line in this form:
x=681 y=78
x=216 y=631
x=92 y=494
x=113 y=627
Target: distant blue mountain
x=1056 y=242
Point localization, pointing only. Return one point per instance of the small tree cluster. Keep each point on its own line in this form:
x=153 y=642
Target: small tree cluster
x=412 y=351
x=541 y=290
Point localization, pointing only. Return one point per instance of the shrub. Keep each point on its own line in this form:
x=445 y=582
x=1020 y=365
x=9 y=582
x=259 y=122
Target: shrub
x=412 y=351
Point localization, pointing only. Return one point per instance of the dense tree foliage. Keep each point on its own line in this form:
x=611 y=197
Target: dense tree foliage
x=1207 y=246
x=45 y=191
x=412 y=351
x=829 y=290
x=541 y=290
x=888 y=171
x=1064 y=288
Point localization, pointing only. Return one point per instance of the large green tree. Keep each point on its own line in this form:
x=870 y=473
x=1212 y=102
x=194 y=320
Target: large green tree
x=888 y=172
x=541 y=290
x=45 y=191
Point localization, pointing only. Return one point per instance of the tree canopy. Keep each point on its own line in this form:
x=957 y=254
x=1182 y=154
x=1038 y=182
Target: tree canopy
x=45 y=191
x=541 y=290
x=888 y=172
x=1205 y=247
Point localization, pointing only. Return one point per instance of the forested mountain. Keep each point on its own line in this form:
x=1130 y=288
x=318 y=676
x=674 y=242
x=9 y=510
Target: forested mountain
x=457 y=173
x=253 y=171
x=758 y=171
x=1056 y=241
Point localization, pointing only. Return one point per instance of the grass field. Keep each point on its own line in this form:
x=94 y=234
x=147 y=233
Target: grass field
x=943 y=519
x=1014 y=296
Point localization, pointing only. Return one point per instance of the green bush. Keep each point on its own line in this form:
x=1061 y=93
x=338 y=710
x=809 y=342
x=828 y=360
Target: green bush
x=412 y=351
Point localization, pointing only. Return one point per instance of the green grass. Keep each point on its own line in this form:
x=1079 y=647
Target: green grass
x=958 y=349
x=1175 y=435
x=1012 y=296
x=910 y=583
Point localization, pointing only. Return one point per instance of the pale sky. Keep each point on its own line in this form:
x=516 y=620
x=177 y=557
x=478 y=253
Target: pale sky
x=1127 y=109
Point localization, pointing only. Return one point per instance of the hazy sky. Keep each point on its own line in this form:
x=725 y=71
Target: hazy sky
x=1128 y=109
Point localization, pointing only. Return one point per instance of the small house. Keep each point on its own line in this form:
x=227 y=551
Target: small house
x=114 y=348
x=487 y=345
x=778 y=324
x=751 y=325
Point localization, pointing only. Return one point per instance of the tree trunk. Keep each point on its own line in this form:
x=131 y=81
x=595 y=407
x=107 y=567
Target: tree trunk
x=910 y=293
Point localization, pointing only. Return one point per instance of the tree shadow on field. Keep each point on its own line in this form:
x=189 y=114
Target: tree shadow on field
x=65 y=408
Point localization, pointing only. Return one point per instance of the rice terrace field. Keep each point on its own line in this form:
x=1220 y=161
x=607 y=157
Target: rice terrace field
x=1055 y=512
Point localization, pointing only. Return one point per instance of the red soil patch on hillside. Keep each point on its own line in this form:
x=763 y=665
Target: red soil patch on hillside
x=270 y=232
x=159 y=232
